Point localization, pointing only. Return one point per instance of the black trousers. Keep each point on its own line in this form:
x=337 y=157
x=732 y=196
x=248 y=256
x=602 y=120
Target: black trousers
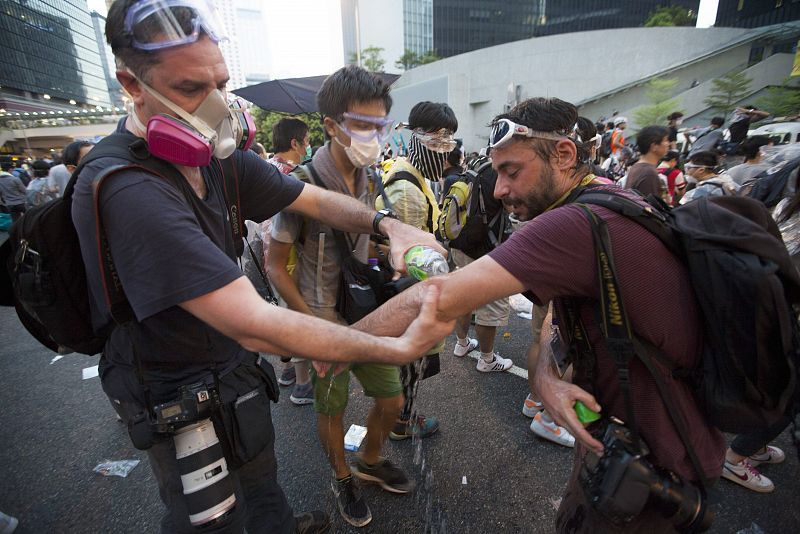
x=410 y=375
x=261 y=506
x=749 y=444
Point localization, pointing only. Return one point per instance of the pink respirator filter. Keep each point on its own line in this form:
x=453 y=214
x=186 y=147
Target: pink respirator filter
x=173 y=140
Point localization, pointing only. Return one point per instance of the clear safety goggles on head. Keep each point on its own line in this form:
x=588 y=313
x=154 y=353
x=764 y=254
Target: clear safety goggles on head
x=381 y=127
x=689 y=166
x=439 y=141
x=157 y=24
x=504 y=130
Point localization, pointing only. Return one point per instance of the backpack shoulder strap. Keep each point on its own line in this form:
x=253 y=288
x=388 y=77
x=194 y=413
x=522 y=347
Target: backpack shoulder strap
x=653 y=218
x=342 y=240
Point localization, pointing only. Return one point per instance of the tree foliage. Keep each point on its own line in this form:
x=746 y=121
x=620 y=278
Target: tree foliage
x=411 y=59
x=370 y=59
x=659 y=94
x=727 y=90
x=671 y=16
x=781 y=101
x=265 y=120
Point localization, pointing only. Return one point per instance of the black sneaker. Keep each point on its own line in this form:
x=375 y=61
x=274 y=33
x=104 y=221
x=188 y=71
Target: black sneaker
x=351 y=503
x=390 y=477
x=314 y=522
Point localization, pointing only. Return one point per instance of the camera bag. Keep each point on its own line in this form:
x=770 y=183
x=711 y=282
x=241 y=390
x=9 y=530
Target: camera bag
x=361 y=287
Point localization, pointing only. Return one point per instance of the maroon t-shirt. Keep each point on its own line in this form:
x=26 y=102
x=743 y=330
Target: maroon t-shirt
x=554 y=256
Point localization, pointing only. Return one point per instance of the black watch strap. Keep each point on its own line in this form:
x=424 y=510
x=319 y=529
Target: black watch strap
x=379 y=217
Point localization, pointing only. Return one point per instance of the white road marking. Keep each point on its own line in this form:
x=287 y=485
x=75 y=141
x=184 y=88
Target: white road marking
x=90 y=372
x=519 y=371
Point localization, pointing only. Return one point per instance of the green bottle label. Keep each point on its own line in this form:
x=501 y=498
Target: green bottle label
x=585 y=415
x=412 y=257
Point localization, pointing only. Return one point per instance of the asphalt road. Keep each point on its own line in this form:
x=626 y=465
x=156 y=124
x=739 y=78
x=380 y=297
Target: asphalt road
x=483 y=472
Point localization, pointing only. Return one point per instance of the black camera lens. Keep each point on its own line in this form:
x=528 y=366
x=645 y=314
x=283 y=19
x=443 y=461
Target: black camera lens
x=682 y=503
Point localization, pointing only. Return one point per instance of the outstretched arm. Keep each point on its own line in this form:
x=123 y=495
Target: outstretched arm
x=237 y=311
x=348 y=214
x=461 y=292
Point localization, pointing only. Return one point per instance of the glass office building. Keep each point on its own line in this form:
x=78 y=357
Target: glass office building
x=49 y=55
x=464 y=25
x=418 y=25
x=754 y=13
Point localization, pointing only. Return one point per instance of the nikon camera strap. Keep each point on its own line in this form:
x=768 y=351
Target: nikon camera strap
x=623 y=345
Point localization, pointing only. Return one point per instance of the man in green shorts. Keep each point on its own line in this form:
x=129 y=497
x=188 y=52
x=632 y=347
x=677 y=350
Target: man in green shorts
x=354 y=104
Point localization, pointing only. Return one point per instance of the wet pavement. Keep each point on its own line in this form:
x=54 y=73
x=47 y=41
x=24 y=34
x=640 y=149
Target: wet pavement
x=483 y=472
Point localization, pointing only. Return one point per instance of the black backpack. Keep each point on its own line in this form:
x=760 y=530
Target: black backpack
x=745 y=285
x=769 y=185
x=605 y=144
x=44 y=264
x=487 y=223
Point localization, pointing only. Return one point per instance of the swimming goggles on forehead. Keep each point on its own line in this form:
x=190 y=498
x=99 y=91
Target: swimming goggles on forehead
x=157 y=24
x=381 y=127
x=504 y=130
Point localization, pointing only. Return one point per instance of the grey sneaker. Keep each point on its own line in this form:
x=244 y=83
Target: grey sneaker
x=385 y=473
x=302 y=394
x=288 y=375
x=351 y=503
x=8 y=524
x=314 y=522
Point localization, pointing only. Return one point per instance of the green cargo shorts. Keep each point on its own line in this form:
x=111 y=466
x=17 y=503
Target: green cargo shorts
x=331 y=393
x=378 y=380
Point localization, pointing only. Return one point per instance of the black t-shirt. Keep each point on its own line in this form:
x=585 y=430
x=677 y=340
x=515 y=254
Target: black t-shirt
x=672 y=136
x=166 y=254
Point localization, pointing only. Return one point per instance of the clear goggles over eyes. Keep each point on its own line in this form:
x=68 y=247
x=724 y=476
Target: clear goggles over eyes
x=439 y=141
x=504 y=130
x=379 y=128
x=157 y=24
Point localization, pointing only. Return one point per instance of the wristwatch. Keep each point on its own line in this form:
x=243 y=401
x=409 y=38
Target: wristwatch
x=379 y=217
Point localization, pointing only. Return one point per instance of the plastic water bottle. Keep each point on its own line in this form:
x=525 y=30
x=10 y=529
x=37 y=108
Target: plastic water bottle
x=424 y=262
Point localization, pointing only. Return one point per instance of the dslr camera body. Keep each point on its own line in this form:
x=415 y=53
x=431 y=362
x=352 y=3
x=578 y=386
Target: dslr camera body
x=622 y=482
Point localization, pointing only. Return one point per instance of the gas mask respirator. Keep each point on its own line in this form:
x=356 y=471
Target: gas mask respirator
x=216 y=128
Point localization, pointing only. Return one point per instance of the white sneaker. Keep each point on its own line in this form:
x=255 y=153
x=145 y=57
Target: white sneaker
x=497 y=364
x=748 y=476
x=530 y=407
x=462 y=350
x=546 y=428
x=773 y=455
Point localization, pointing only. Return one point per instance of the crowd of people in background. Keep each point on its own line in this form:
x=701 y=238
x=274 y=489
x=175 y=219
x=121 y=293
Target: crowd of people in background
x=23 y=185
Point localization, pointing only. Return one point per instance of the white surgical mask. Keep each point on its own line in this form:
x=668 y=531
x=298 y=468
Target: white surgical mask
x=361 y=153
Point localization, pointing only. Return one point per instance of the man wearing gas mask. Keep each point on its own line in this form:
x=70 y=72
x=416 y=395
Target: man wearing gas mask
x=184 y=370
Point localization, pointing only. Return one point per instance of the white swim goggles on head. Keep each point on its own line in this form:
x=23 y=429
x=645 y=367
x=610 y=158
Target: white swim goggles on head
x=157 y=24
x=504 y=130
x=380 y=129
